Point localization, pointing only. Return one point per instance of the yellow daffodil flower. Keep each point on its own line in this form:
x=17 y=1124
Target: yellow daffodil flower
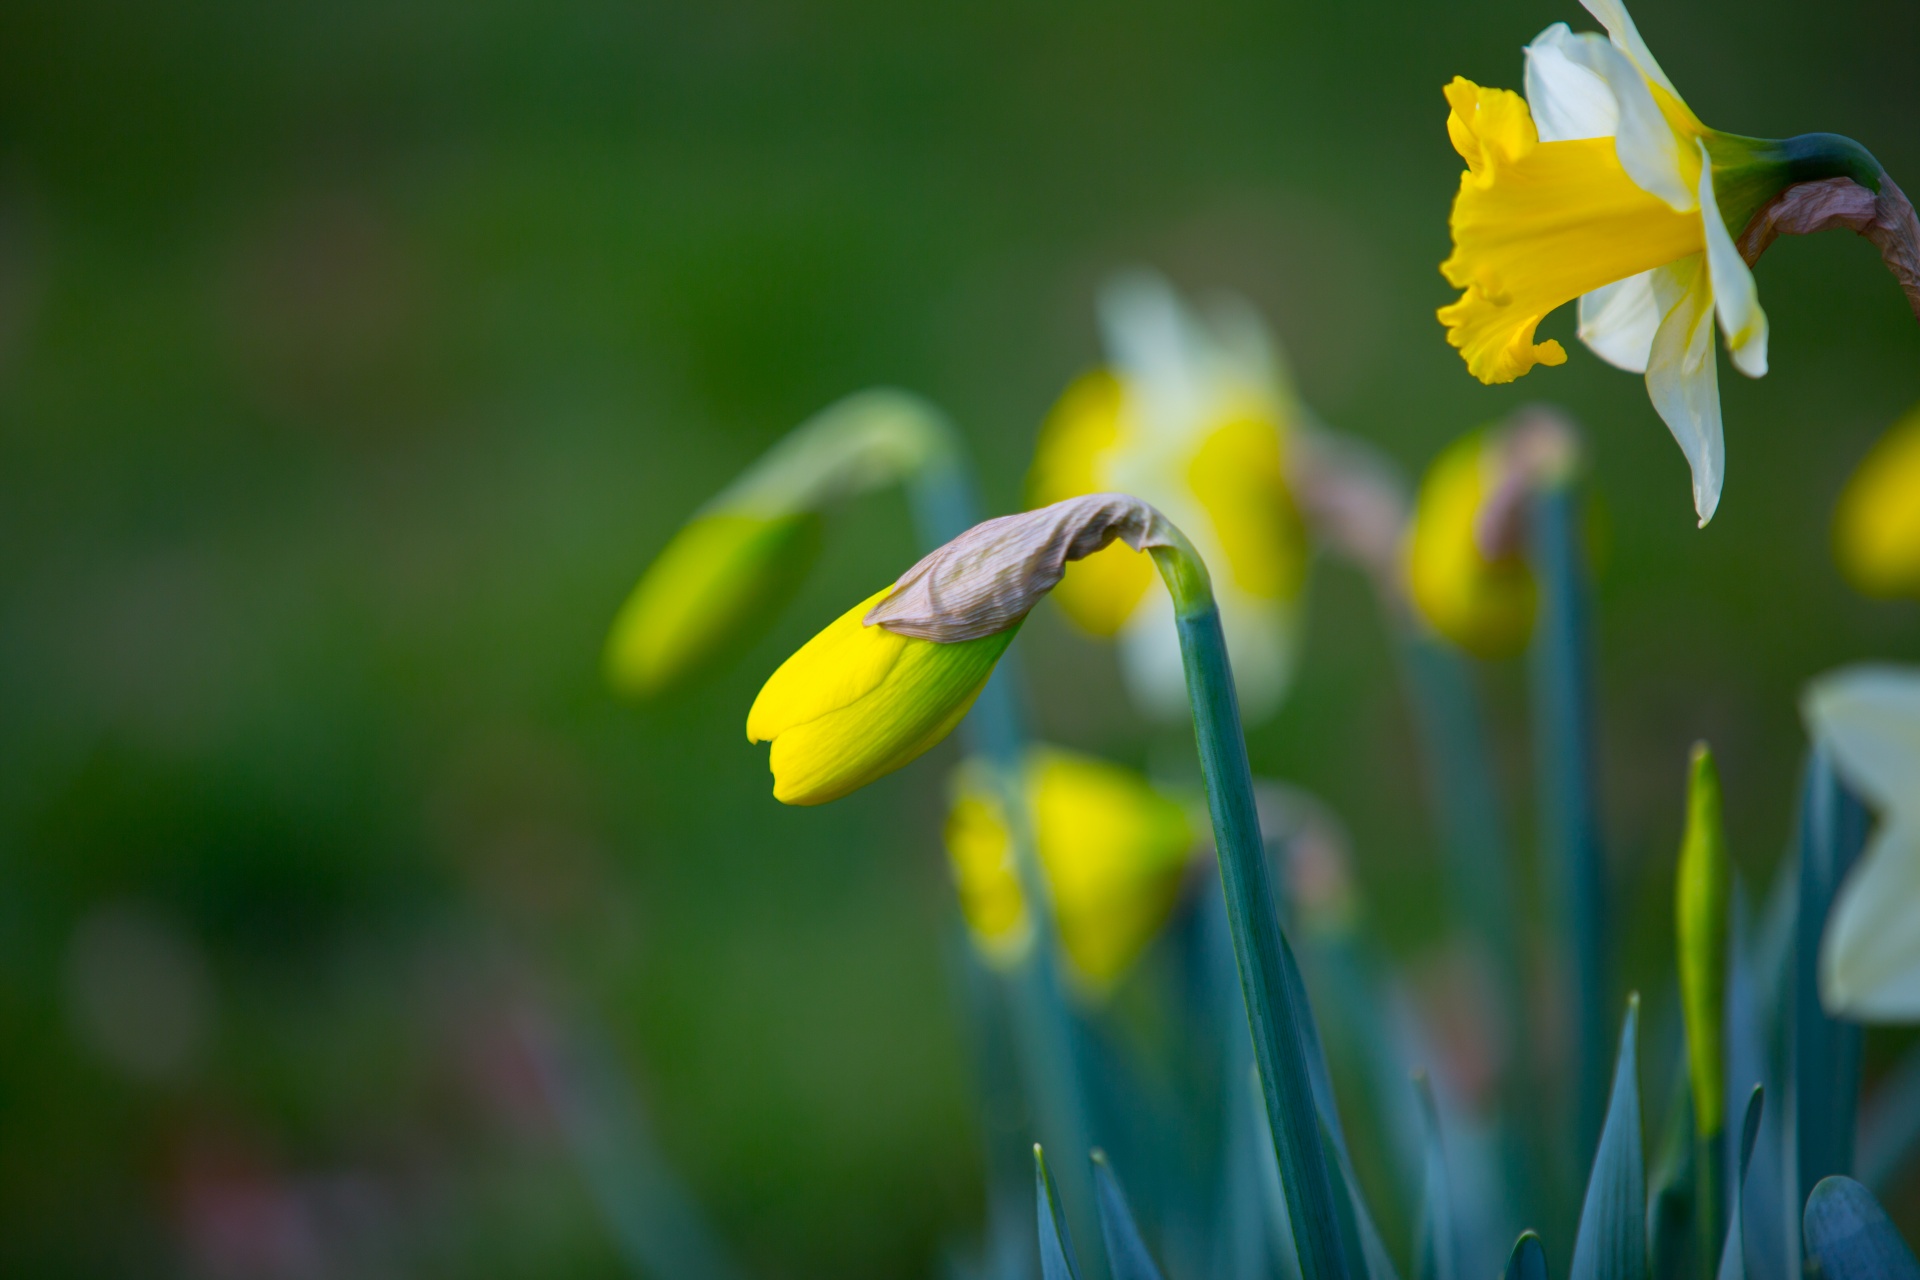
x=1479 y=596
x=893 y=675
x=1869 y=718
x=1113 y=848
x=1602 y=185
x=1876 y=527
x=729 y=567
x=1195 y=416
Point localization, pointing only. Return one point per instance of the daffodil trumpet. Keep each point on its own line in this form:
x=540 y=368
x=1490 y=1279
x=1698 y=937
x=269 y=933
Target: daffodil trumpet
x=847 y=721
x=1602 y=185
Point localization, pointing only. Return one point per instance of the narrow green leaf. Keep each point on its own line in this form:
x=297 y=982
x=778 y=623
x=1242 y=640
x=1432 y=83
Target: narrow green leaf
x=1826 y=1051
x=1528 y=1261
x=1056 y=1242
x=1849 y=1237
x=1434 y=1250
x=1612 y=1240
x=1126 y=1251
x=1700 y=923
x=1670 y=1209
x=1733 y=1258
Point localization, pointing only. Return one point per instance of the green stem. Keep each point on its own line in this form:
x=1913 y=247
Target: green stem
x=941 y=495
x=1276 y=1008
x=1569 y=805
x=1709 y=1197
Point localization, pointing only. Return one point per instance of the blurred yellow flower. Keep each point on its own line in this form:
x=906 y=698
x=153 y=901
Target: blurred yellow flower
x=1876 y=527
x=857 y=702
x=1480 y=598
x=1114 y=850
x=1602 y=185
x=730 y=567
x=720 y=572
x=1194 y=415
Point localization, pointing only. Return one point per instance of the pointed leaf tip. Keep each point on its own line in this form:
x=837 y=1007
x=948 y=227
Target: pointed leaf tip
x=1528 y=1261
x=1850 y=1238
x=1056 y=1242
x=1126 y=1251
x=1612 y=1240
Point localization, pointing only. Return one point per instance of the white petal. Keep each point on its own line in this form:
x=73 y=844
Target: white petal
x=1869 y=717
x=1614 y=17
x=1682 y=380
x=1157 y=348
x=1618 y=321
x=1870 y=953
x=1567 y=98
x=1735 y=296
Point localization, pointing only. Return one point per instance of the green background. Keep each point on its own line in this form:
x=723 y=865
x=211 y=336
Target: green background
x=354 y=359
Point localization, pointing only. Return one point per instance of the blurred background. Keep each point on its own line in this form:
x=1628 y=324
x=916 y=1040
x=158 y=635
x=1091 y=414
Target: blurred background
x=355 y=358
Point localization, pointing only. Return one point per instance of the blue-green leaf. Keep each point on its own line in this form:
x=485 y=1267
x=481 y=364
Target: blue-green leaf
x=1056 y=1242
x=1434 y=1250
x=1849 y=1237
x=1826 y=1051
x=1126 y=1251
x=1528 y=1261
x=1733 y=1256
x=1612 y=1240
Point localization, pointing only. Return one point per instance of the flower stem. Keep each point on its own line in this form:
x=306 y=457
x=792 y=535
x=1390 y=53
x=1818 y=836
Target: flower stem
x=941 y=494
x=1569 y=805
x=1276 y=1008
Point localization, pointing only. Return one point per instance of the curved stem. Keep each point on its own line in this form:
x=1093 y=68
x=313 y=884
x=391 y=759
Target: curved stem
x=1269 y=983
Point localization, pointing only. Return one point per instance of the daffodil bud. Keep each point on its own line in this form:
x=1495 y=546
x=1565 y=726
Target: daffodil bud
x=1700 y=919
x=1876 y=526
x=1195 y=414
x=1112 y=847
x=893 y=675
x=704 y=591
x=728 y=568
x=1602 y=185
x=1466 y=568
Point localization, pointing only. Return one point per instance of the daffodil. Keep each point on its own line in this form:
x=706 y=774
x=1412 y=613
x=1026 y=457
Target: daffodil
x=728 y=568
x=1466 y=572
x=1876 y=527
x=1113 y=848
x=1195 y=415
x=894 y=674
x=1869 y=718
x=1603 y=185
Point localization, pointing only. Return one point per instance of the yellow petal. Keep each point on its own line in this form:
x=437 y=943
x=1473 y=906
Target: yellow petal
x=1100 y=592
x=1876 y=527
x=712 y=584
x=857 y=702
x=1238 y=478
x=1484 y=606
x=1115 y=851
x=1537 y=224
x=1113 y=848
x=980 y=853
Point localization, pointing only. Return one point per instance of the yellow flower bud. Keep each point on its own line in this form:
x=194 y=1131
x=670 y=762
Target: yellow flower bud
x=1480 y=600
x=1113 y=848
x=857 y=702
x=1700 y=917
x=1876 y=526
x=720 y=574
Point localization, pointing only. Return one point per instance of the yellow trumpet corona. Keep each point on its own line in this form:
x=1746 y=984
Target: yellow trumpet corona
x=1483 y=603
x=1876 y=526
x=857 y=702
x=719 y=573
x=1113 y=848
